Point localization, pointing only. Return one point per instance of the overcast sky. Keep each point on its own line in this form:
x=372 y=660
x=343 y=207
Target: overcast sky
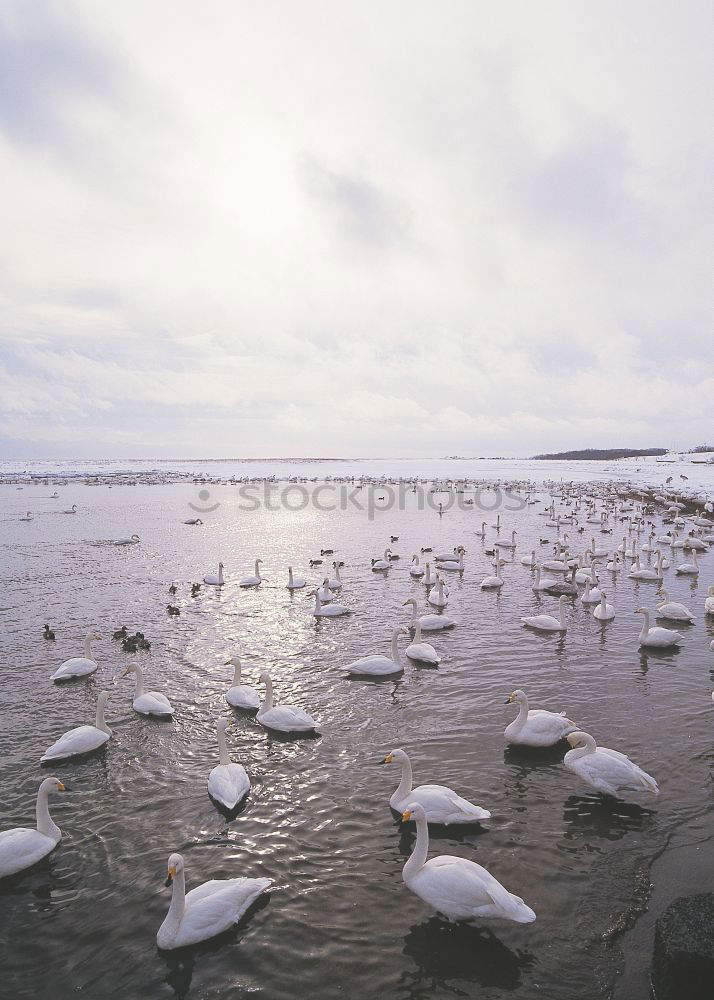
x=340 y=228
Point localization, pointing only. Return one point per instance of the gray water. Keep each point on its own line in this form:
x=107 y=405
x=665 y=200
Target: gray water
x=339 y=921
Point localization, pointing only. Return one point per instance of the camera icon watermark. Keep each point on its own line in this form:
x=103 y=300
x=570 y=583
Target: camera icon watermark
x=204 y=496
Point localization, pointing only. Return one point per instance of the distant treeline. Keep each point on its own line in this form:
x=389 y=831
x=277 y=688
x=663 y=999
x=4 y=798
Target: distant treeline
x=702 y=447
x=604 y=454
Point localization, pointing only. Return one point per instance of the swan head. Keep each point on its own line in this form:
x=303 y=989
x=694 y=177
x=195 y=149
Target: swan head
x=175 y=865
x=220 y=566
x=102 y=698
x=52 y=784
x=393 y=755
x=413 y=811
x=135 y=538
x=580 y=739
x=130 y=668
x=233 y=660
x=410 y=601
x=94 y=635
x=264 y=678
x=640 y=611
x=516 y=695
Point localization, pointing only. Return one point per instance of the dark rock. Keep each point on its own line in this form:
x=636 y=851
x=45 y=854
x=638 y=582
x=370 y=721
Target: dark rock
x=683 y=962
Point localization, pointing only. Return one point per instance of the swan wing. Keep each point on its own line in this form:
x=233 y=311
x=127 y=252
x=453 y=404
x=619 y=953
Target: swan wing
x=22 y=847
x=75 y=741
x=215 y=906
x=243 y=696
x=374 y=665
x=458 y=886
x=228 y=783
x=443 y=805
x=286 y=717
x=153 y=703
x=77 y=666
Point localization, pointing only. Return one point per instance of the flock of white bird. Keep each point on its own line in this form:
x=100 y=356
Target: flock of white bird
x=455 y=887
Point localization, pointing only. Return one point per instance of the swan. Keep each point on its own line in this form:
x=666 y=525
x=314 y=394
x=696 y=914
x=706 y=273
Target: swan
x=336 y=582
x=656 y=637
x=453 y=564
x=709 y=602
x=422 y=652
x=416 y=570
x=482 y=532
x=428 y=623
x=452 y=556
x=438 y=598
x=324 y=592
x=134 y=540
x=378 y=665
x=690 y=568
x=215 y=581
x=207 y=910
x=591 y=595
x=544 y=583
x=597 y=551
x=295 y=582
x=255 y=580
x=147 y=702
x=673 y=610
x=441 y=804
x=194 y=520
x=508 y=545
x=241 y=695
x=73 y=509
x=604 y=612
x=536 y=727
x=493 y=582
x=557 y=587
x=283 y=718
x=228 y=783
x=614 y=565
x=78 y=666
x=83 y=739
x=529 y=560
x=603 y=769
x=332 y=610
x=383 y=563
x=648 y=573
x=547 y=623
x=22 y=847
x=27 y=517
x=457 y=888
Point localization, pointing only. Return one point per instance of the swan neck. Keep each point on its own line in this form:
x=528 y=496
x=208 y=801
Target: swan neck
x=395 y=645
x=406 y=780
x=99 y=721
x=645 y=624
x=236 y=674
x=88 y=647
x=139 y=681
x=45 y=824
x=257 y=570
x=421 y=850
x=178 y=904
x=268 y=700
x=223 y=755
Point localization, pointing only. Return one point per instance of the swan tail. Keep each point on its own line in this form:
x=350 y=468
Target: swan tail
x=648 y=782
x=510 y=906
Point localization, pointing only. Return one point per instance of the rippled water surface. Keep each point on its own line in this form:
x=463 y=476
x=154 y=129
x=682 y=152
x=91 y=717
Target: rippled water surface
x=339 y=921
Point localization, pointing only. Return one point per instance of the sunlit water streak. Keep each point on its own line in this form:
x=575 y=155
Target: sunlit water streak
x=340 y=922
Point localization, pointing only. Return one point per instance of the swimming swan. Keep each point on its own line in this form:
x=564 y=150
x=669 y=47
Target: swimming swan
x=134 y=540
x=207 y=910
x=422 y=652
x=255 y=580
x=673 y=610
x=416 y=570
x=603 y=769
x=147 y=702
x=83 y=739
x=283 y=718
x=457 y=888
x=656 y=637
x=215 y=581
x=332 y=610
x=547 y=623
x=428 y=623
x=604 y=612
x=438 y=598
x=378 y=665
x=295 y=582
x=78 y=666
x=241 y=695
x=441 y=804
x=228 y=783
x=536 y=727
x=493 y=582
x=22 y=847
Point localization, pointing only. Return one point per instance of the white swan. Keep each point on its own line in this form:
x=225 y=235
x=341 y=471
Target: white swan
x=673 y=610
x=73 y=509
x=428 y=623
x=508 y=545
x=378 y=665
x=422 y=652
x=493 y=582
x=134 y=540
x=27 y=517
x=255 y=580
x=591 y=596
x=215 y=581
x=603 y=769
x=482 y=532
x=547 y=623
x=604 y=612
x=336 y=582
x=78 y=666
x=228 y=783
x=324 y=592
x=457 y=888
x=416 y=570
x=529 y=560
x=647 y=573
x=295 y=582
x=536 y=727
x=83 y=739
x=207 y=910
x=656 y=637
x=241 y=695
x=690 y=568
x=332 y=610
x=709 y=602
x=147 y=702
x=542 y=583
x=383 y=563
x=440 y=803
x=438 y=598
x=283 y=718
x=22 y=847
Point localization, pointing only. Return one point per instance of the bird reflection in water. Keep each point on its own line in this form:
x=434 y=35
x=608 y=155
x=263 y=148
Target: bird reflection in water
x=603 y=816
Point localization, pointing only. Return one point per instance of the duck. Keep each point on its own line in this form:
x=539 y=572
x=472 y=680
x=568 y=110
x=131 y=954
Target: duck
x=295 y=582
x=456 y=887
x=147 y=702
x=195 y=588
x=228 y=782
x=206 y=911
x=547 y=623
x=22 y=847
x=332 y=610
x=252 y=581
x=378 y=665
x=495 y=581
x=416 y=570
x=172 y=589
x=536 y=727
x=193 y=520
x=130 y=644
x=327 y=552
x=48 y=634
x=78 y=666
x=214 y=580
x=134 y=540
x=428 y=623
x=394 y=538
x=82 y=739
x=120 y=633
x=607 y=771
x=441 y=804
x=173 y=610
x=656 y=637
x=422 y=652
x=241 y=695
x=27 y=517
x=604 y=612
x=316 y=562
x=673 y=610
x=283 y=718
